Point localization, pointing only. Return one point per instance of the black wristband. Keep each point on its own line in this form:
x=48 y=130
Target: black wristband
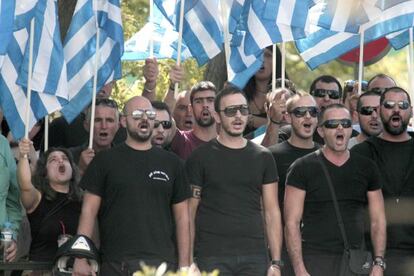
x=275 y=122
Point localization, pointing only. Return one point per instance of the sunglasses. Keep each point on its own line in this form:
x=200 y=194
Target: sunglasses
x=334 y=123
x=368 y=110
x=301 y=111
x=401 y=104
x=231 y=111
x=321 y=93
x=378 y=90
x=139 y=114
x=164 y=124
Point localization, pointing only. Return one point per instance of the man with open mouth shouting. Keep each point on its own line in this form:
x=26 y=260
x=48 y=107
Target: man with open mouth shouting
x=314 y=238
x=393 y=152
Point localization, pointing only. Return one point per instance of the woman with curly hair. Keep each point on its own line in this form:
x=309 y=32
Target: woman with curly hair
x=51 y=198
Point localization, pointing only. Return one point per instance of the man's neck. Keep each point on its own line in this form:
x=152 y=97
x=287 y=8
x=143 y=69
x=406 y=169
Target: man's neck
x=336 y=157
x=300 y=142
x=232 y=142
x=205 y=133
x=98 y=148
x=395 y=138
x=138 y=145
x=261 y=86
x=361 y=137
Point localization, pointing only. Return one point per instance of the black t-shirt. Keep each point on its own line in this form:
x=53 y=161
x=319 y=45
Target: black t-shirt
x=352 y=181
x=229 y=220
x=285 y=154
x=45 y=232
x=395 y=162
x=138 y=189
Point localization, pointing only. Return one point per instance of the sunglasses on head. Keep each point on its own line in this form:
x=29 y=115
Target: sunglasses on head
x=401 y=104
x=378 y=90
x=334 y=123
x=368 y=110
x=231 y=111
x=321 y=93
x=301 y=111
x=164 y=124
x=139 y=114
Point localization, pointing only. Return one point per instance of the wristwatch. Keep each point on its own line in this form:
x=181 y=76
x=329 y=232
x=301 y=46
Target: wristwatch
x=379 y=261
x=277 y=263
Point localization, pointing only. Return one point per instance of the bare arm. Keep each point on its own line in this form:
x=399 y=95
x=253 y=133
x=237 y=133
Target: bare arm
x=193 y=205
x=177 y=75
x=276 y=110
x=293 y=211
x=271 y=136
x=378 y=221
x=30 y=196
x=182 y=221
x=273 y=221
x=150 y=74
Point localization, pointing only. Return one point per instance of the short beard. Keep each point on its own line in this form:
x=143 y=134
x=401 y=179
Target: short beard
x=395 y=131
x=206 y=123
x=139 y=137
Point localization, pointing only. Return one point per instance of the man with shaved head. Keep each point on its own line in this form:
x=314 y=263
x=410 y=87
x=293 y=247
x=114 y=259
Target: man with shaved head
x=139 y=194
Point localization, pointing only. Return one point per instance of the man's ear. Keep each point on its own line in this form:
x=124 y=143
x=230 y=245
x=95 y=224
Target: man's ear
x=123 y=121
x=320 y=131
x=216 y=117
x=86 y=125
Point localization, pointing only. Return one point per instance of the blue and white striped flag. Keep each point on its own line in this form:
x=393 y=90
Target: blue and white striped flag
x=49 y=67
x=80 y=50
x=399 y=40
x=202 y=28
x=273 y=21
x=241 y=66
x=164 y=37
x=13 y=96
x=6 y=23
x=386 y=4
x=322 y=45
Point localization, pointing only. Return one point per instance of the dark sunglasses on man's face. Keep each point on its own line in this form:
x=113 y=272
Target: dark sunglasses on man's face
x=334 y=123
x=321 y=93
x=368 y=110
x=139 y=114
x=231 y=111
x=165 y=124
x=401 y=104
x=301 y=111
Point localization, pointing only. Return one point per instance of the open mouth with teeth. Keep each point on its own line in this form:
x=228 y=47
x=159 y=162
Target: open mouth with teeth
x=396 y=120
x=340 y=138
x=205 y=113
x=307 y=126
x=103 y=134
x=143 y=126
x=374 y=124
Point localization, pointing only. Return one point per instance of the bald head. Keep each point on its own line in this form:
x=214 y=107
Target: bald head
x=137 y=102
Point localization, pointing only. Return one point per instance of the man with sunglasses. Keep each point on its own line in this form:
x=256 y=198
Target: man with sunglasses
x=232 y=178
x=202 y=97
x=313 y=237
x=139 y=195
x=161 y=136
x=105 y=127
x=367 y=112
x=380 y=82
x=302 y=115
x=393 y=152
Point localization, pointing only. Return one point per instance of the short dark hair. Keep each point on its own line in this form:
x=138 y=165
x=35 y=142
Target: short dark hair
x=326 y=79
x=379 y=76
x=229 y=90
x=329 y=107
x=365 y=94
x=395 y=89
x=158 y=105
x=201 y=86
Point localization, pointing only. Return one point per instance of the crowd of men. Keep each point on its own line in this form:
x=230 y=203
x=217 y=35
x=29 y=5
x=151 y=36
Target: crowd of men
x=177 y=182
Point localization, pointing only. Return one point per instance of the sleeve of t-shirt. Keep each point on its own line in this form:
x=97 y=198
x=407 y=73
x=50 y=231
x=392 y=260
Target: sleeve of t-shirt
x=181 y=190
x=363 y=149
x=375 y=181
x=93 y=179
x=270 y=173
x=194 y=169
x=295 y=176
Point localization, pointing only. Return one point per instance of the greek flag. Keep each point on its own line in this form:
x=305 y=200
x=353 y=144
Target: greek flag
x=13 y=96
x=80 y=50
x=164 y=37
x=399 y=40
x=273 y=21
x=241 y=66
x=6 y=23
x=202 y=29
x=386 y=4
x=322 y=46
